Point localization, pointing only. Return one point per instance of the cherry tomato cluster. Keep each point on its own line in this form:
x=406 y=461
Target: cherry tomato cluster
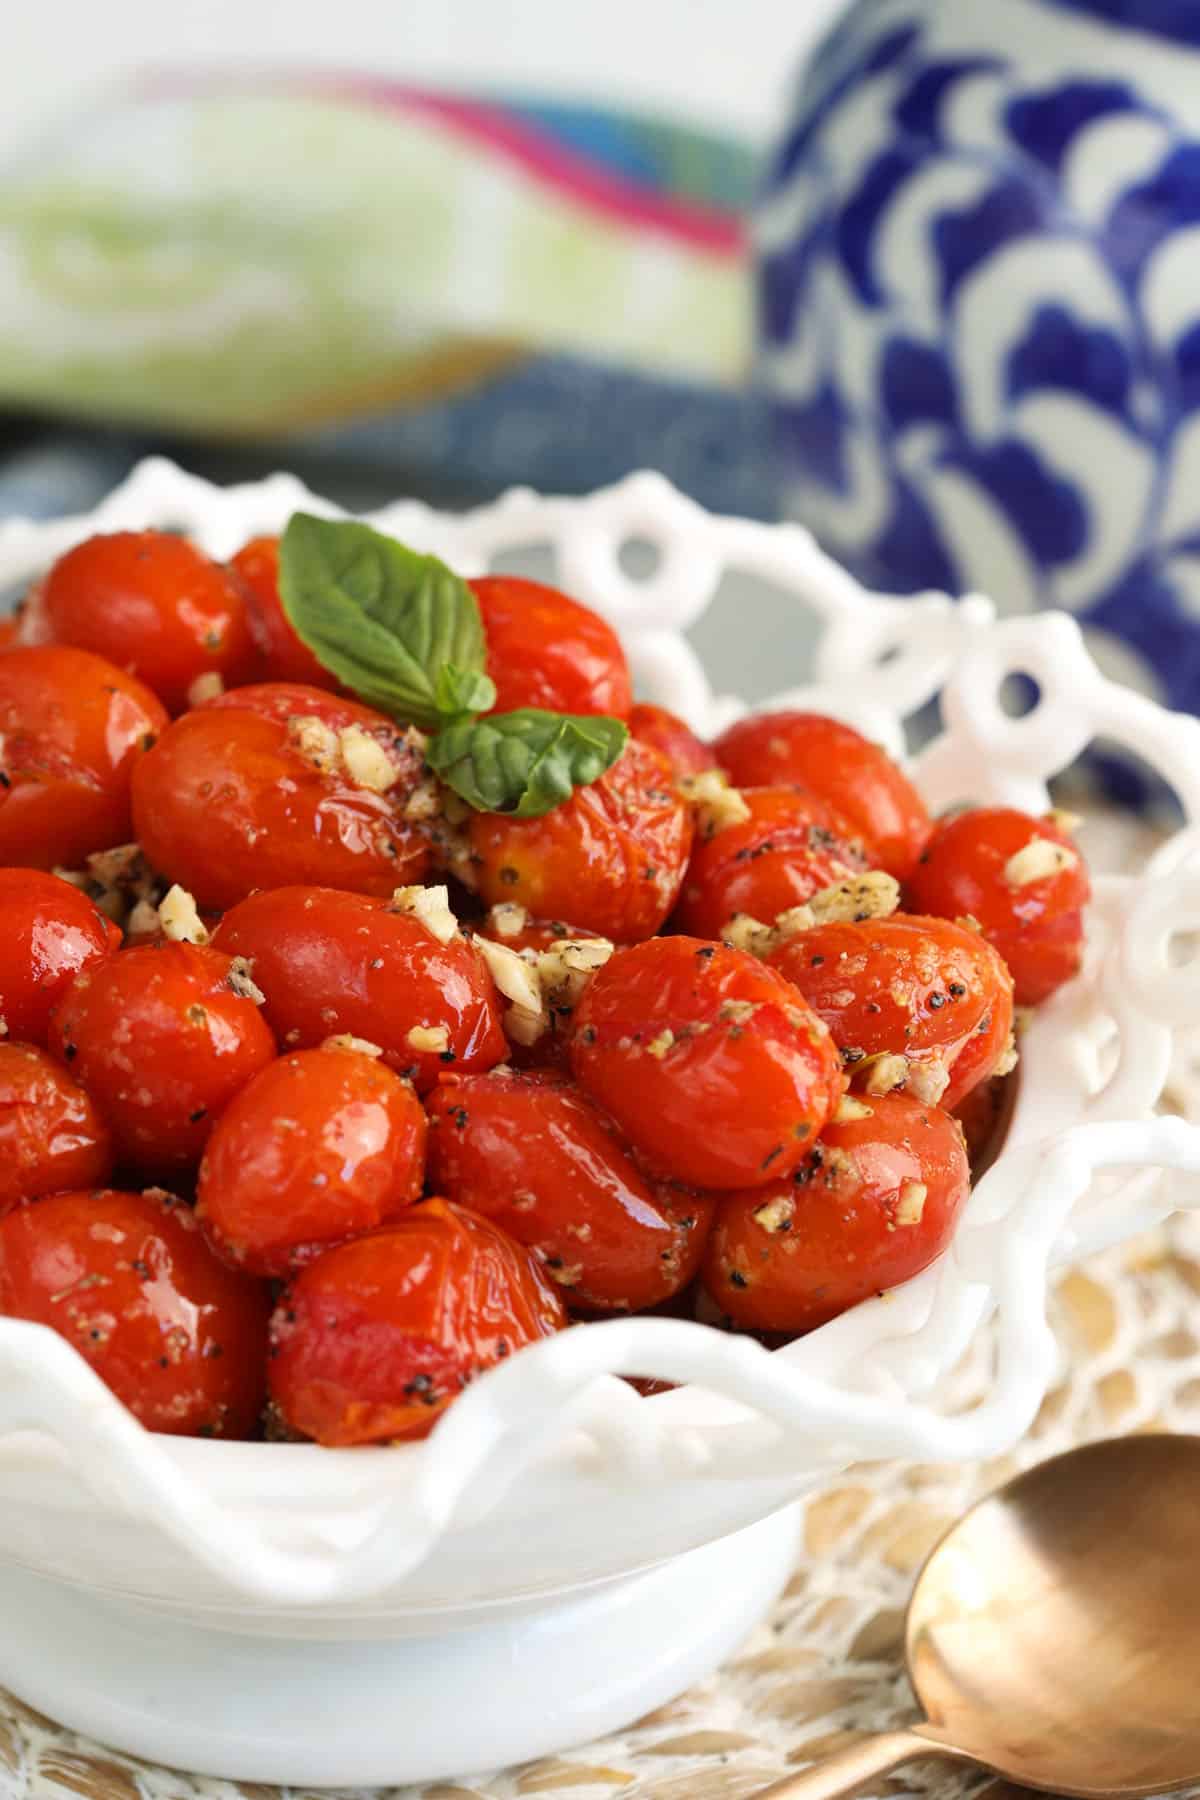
x=321 y=1092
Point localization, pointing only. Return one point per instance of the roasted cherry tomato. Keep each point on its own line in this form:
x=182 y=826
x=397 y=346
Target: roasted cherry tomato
x=981 y=1113
x=547 y=651
x=534 y=1155
x=150 y=602
x=162 y=1037
x=9 y=631
x=871 y=792
x=129 y=1281
x=283 y=656
x=51 y=1135
x=72 y=727
x=321 y=1146
x=786 y=848
x=374 y=1339
x=871 y=1206
x=706 y=1062
x=49 y=931
x=612 y=857
x=1023 y=880
x=667 y=732
x=278 y=784
x=926 y=990
x=330 y=962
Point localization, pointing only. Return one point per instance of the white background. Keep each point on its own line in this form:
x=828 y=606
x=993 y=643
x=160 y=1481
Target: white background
x=728 y=62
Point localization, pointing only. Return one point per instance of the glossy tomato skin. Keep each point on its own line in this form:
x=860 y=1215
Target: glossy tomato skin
x=320 y=1146
x=128 y=1279
x=922 y=988
x=72 y=726
x=49 y=931
x=373 y=1341
x=612 y=857
x=705 y=1061
x=666 y=731
x=229 y=800
x=548 y=651
x=1036 y=925
x=282 y=655
x=51 y=1135
x=874 y=1203
x=162 y=1041
x=331 y=962
x=534 y=1155
x=150 y=602
x=853 y=775
x=790 y=847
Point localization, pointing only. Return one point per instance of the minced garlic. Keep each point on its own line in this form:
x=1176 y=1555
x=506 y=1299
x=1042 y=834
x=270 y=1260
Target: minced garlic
x=927 y=1081
x=848 y=1109
x=777 y=1214
x=744 y=932
x=886 y=1073
x=345 y=1041
x=718 y=804
x=240 y=980
x=910 y=1207
x=875 y=895
x=507 y=920
x=658 y=1046
x=1037 y=860
x=430 y=1040
x=180 y=919
x=565 y=969
x=1008 y=1059
x=315 y=741
x=430 y=906
x=366 y=761
x=209 y=686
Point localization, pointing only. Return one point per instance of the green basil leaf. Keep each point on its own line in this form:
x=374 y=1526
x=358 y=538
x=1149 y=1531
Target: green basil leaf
x=382 y=618
x=462 y=691
x=525 y=763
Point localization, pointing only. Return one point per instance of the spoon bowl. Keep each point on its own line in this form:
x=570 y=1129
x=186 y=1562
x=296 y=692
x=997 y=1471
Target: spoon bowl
x=1053 y=1636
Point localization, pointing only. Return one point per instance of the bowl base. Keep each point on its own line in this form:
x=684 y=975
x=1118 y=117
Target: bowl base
x=381 y=1714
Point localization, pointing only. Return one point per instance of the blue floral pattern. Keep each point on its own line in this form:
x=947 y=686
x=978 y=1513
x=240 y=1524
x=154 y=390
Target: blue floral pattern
x=979 y=293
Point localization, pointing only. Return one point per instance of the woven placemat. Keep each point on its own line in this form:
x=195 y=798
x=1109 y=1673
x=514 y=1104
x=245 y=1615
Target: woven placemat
x=826 y=1664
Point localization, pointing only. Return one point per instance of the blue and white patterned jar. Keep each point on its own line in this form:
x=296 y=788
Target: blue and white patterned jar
x=979 y=283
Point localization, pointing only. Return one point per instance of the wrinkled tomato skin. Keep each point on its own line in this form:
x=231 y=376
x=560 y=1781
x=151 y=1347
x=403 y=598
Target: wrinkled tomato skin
x=321 y=1146
x=162 y=1043
x=332 y=963
x=1036 y=926
x=612 y=857
x=548 y=651
x=150 y=602
x=534 y=1155
x=72 y=727
x=373 y=1341
x=282 y=656
x=51 y=1135
x=49 y=931
x=129 y=1281
x=225 y=803
x=855 y=1226
x=790 y=847
x=740 y=1086
x=665 y=731
x=921 y=988
x=856 y=777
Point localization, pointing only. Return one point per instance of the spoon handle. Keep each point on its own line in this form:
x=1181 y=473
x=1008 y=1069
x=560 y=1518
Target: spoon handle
x=852 y=1768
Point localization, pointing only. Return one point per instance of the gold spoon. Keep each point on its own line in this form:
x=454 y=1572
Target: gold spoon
x=1053 y=1636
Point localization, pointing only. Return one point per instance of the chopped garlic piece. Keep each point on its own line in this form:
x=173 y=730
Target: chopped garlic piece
x=658 y=1046
x=508 y=920
x=885 y=1074
x=366 y=761
x=874 y=895
x=777 y=1214
x=717 y=804
x=515 y=978
x=424 y=802
x=848 y=1109
x=241 y=980
x=143 y=919
x=927 y=1081
x=1038 y=859
x=429 y=1040
x=345 y=1041
x=524 y=1027
x=787 y=924
x=180 y=920
x=209 y=686
x=1008 y=1059
x=911 y=1204
x=430 y=906
x=736 y=1012
x=565 y=969
x=315 y=741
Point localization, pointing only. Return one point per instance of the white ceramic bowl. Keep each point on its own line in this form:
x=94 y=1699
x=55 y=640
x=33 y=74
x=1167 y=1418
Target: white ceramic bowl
x=520 y=1581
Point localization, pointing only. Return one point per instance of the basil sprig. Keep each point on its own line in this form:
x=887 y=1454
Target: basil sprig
x=403 y=632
